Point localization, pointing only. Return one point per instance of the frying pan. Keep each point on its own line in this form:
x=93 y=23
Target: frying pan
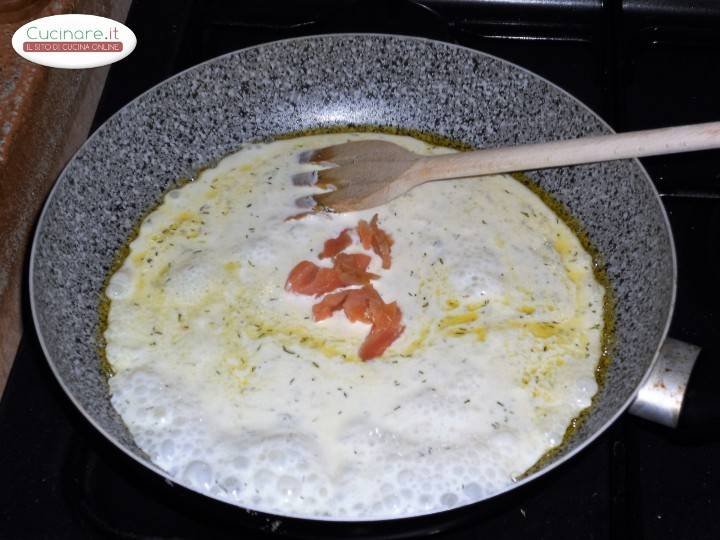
x=206 y=112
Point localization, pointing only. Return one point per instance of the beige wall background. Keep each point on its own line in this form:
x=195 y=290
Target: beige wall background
x=45 y=115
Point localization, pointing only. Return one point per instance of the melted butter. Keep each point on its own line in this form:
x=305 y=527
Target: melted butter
x=457 y=319
x=418 y=342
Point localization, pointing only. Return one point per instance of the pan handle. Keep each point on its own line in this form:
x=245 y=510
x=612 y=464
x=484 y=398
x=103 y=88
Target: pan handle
x=682 y=390
x=662 y=396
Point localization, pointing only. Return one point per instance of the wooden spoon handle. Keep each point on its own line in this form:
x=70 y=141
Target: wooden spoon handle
x=572 y=152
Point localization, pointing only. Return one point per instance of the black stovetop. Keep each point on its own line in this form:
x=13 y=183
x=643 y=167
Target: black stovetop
x=639 y=64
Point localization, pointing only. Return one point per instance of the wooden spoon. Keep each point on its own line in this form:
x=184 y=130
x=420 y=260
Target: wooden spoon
x=370 y=173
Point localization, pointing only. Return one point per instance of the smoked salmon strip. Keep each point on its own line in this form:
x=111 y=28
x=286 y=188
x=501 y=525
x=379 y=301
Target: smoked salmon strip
x=372 y=236
x=335 y=245
x=352 y=268
x=308 y=278
x=348 y=269
x=381 y=242
x=329 y=305
x=357 y=305
x=365 y=305
x=362 y=304
x=365 y=233
x=379 y=339
x=386 y=328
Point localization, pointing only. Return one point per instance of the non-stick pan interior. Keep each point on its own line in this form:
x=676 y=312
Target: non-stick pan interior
x=207 y=111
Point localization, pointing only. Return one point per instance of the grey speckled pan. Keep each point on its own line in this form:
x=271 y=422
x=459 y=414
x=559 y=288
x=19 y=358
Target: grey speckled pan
x=204 y=113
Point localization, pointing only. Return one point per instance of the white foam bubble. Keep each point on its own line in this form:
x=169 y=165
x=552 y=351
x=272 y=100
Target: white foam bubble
x=167 y=450
x=199 y=474
x=120 y=285
x=263 y=478
x=289 y=486
x=473 y=491
x=189 y=281
x=231 y=486
x=448 y=500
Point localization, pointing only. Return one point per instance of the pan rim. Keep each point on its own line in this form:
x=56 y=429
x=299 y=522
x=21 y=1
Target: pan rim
x=173 y=480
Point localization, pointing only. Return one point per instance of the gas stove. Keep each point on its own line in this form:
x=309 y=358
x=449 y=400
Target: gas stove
x=638 y=63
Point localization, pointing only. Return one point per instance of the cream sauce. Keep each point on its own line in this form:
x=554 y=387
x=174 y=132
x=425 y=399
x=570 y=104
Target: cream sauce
x=227 y=383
